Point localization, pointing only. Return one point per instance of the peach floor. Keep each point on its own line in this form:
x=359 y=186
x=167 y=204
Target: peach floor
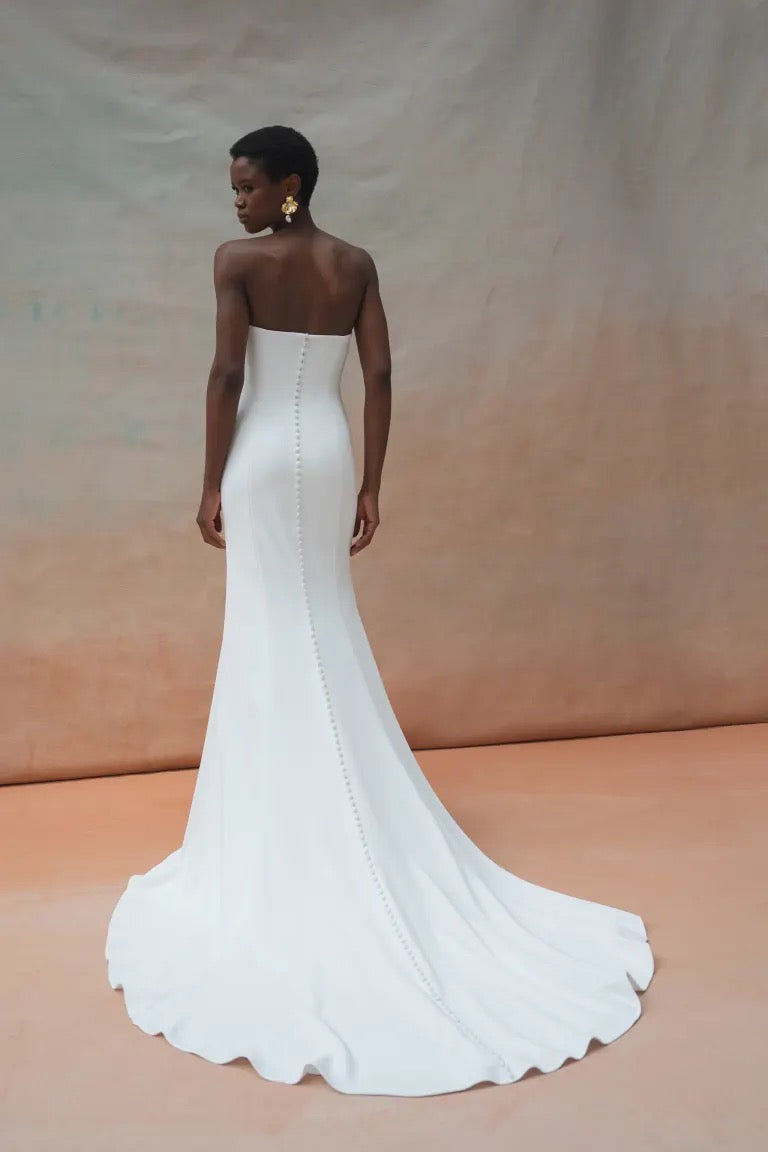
x=671 y=825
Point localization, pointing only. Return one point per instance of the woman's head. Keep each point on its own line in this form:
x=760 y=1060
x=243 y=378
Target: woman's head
x=268 y=165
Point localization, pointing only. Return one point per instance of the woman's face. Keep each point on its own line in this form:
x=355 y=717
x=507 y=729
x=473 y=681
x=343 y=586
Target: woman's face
x=257 y=199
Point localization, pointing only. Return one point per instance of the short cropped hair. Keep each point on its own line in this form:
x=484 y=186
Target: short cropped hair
x=279 y=151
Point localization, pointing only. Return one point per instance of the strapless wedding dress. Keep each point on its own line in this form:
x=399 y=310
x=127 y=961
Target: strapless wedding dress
x=325 y=913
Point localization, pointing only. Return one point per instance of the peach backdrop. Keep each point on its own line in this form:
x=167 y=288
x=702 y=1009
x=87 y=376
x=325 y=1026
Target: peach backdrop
x=566 y=202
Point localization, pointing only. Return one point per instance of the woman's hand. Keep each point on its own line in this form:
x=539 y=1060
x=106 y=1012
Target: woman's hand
x=367 y=517
x=209 y=519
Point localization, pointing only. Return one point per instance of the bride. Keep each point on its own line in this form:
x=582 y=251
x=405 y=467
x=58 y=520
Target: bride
x=324 y=913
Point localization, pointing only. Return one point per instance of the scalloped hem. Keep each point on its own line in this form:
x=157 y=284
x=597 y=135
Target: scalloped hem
x=470 y=1077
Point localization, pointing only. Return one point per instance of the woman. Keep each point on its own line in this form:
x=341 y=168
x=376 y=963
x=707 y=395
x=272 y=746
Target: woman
x=324 y=912
x=299 y=277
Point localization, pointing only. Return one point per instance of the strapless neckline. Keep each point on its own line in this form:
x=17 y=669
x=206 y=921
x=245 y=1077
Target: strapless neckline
x=316 y=335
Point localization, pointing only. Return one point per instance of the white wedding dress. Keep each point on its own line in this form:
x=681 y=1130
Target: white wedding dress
x=325 y=913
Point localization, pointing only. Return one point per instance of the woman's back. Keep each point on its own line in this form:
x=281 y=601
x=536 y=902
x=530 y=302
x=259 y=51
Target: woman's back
x=304 y=283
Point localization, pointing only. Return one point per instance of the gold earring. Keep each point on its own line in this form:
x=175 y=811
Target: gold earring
x=288 y=207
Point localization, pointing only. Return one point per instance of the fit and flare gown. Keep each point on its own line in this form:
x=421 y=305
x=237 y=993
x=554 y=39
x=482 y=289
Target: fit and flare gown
x=325 y=913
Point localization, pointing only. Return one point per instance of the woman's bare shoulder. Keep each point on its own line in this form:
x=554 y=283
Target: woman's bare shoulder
x=238 y=250
x=353 y=252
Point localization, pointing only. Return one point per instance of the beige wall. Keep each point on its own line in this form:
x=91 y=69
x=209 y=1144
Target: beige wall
x=566 y=202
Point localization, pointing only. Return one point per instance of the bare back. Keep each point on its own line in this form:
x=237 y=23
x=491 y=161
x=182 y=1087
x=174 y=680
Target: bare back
x=307 y=284
x=312 y=283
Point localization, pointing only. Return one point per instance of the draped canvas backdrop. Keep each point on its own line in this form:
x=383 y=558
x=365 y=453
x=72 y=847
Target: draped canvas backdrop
x=566 y=203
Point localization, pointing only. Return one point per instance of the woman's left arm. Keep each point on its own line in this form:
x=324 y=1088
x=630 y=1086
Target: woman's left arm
x=225 y=383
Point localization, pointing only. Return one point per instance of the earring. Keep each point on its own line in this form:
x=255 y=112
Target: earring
x=288 y=207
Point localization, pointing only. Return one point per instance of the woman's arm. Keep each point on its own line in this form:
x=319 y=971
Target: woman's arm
x=225 y=383
x=372 y=337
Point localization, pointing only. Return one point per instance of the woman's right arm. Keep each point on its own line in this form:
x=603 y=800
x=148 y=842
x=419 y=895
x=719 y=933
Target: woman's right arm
x=372 y=336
